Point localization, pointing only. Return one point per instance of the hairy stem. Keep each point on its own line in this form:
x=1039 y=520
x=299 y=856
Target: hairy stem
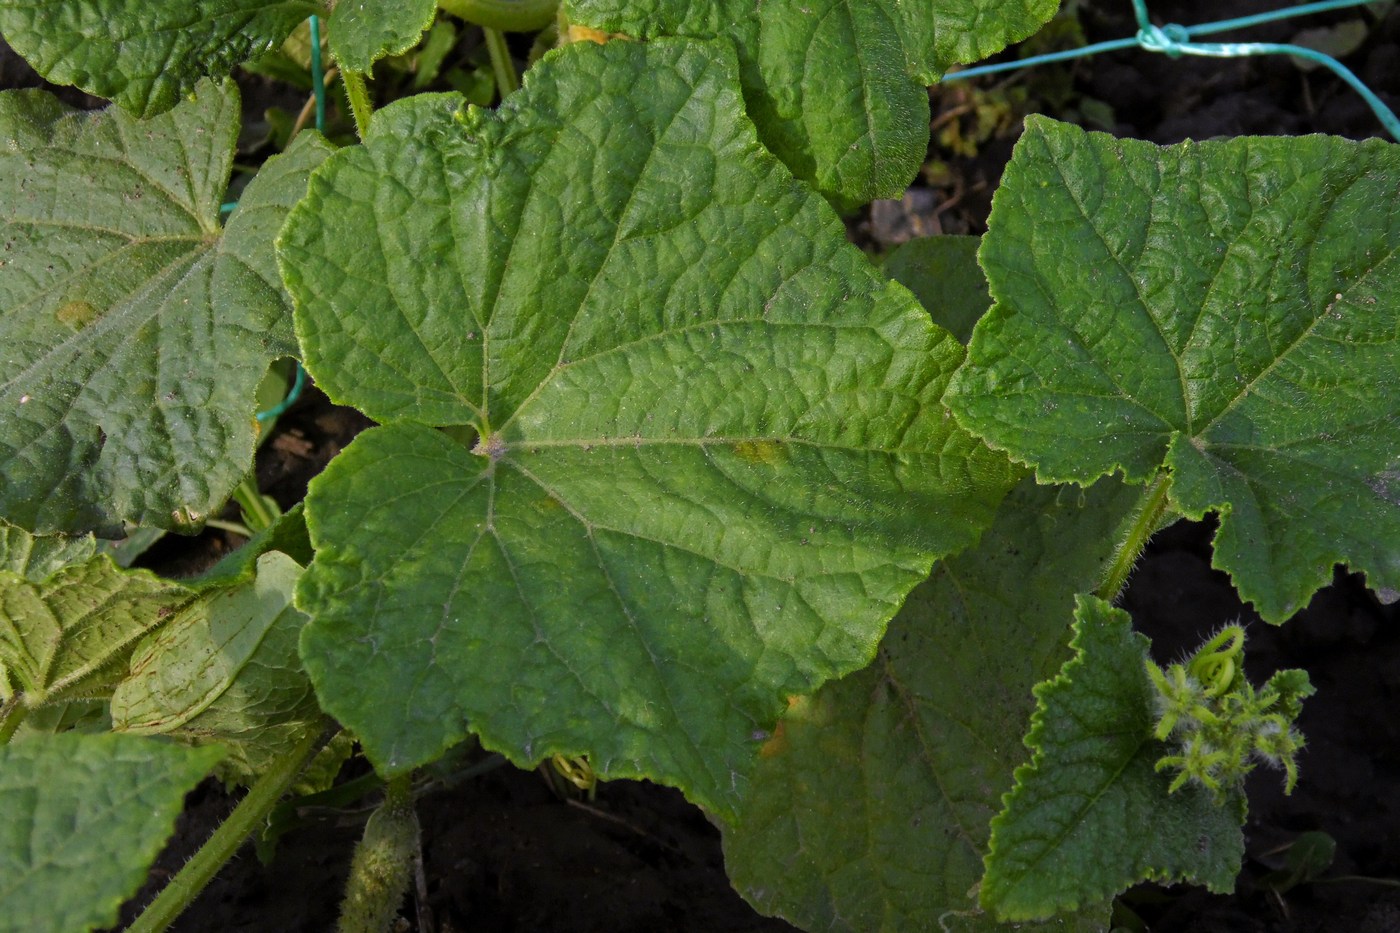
x=505 y=15
x=507 y=81
x=230 y=836
x=358 y=93
x=1149 y=516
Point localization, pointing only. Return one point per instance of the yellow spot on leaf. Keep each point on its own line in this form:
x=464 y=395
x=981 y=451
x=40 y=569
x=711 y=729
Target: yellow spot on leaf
x=577 y=33
x=766 y=452
x=76 y=314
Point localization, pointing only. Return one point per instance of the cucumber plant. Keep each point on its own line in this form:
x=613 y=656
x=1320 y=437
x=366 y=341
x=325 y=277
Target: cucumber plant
x=666 y=473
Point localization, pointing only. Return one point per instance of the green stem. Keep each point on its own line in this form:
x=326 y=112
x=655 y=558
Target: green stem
x=505 y=15
x=230 y=836
x=1151 y=514
x=259 y=511
x=507 y=81
x=231 y=527
x=12 y=714
x=358 y=93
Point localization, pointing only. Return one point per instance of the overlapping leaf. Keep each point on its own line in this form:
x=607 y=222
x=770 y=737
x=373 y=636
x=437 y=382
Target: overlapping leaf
x=871 y=806
x=943 y=273
x=364 y=31
x=81 y=819
x=146 y=55
x=1090 y=815
x=69 y=635
x=35 y=557
x=708 y=457
x=1227 y=310
x=837 y=87
x=226 y=670
x=135 y=332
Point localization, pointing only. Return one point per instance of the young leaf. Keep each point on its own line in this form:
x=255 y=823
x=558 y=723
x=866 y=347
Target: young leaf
x=145 y=56
x=69 y=635
x=225 y=669
x=870 y=806
x=81 y=819
x=1223 y=309
x=837 y=87
x=362 y=33
x=135 y=332
x=1090 y=815
x=710 y=458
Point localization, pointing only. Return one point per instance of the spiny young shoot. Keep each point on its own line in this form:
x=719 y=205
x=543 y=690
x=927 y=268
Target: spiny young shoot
x=1218 y=725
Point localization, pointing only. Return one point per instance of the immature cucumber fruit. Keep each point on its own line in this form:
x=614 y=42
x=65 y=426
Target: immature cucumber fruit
x=382 y=867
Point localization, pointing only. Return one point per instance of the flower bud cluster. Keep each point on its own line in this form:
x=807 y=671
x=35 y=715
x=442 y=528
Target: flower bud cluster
x=1218 y=725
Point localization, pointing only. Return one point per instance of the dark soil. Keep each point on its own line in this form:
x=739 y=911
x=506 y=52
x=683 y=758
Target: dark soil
x=504 y=852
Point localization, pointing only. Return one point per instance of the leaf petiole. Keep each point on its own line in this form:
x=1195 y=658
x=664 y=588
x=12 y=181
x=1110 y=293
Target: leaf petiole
x=357 y=92
x=231 y=834
x=507 y=80
x=1150 y=516
x=259 y=511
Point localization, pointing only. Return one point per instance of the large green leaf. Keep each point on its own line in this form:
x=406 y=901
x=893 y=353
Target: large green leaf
x=145 y=55
x=1090 y=815
x=225 y=669
x=710 y=458
x=81 y=819
x=870 y=807
x=1228 y=310
x=837 y=87
x=135 y=332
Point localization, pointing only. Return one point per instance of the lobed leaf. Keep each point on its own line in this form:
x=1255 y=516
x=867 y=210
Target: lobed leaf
x=1089 y=815
x=82 y=817
x=870 y=806
x=837 y=87
x=146 y=56
x=709 y=456
x=1226 y=310
x=136 y=332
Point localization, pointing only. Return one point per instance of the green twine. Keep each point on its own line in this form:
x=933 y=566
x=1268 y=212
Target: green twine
x=1174 y=41
x=318 y=90
x=318 y=78
x=293 y=394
